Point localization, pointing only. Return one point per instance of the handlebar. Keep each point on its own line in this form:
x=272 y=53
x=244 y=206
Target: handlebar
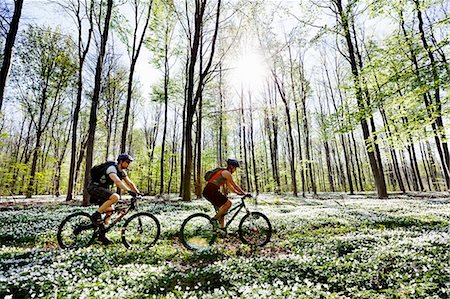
x=134 y=198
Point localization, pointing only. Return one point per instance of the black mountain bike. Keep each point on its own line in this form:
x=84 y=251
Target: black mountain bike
x=197 y=231
x=140 y=231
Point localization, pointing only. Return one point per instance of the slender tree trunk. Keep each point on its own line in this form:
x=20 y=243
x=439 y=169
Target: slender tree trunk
x=36 y=154
x=432 y=166
x=309 y=163
x=9 y=44
x=395 y=163
x=95 y=102
x=374 y=164
x=193 y=97
x=427 y=101
x=299 y=139
x=272 y=125
x=173 y=155
x=244 y=142
x=135 y=52
x=290 y=137
x=76 y=113
x=426 y=166
x=252 y=149
x=197 y=178
x=166 y=104
x=221 y=143
x=405 y=170
x=358 y=163
x=436 y=83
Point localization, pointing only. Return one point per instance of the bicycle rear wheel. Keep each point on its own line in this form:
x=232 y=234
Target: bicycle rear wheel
x=197 y=232
x=255 y=229
x=141 y=231
x=76 y=231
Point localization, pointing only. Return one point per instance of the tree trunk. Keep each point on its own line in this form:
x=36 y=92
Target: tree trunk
x=173 y=155
x=9 y=44
x=374 y=164
x=135 y=51
x=166 y=104
x=95 y=102
x=36 y=152
x=76 y=113
x=290 y=137
x=300 y=154
x=427 y=101
x=395 y=163
x=244 y=143
x=426 y=167
x=436 y=84
x=252 y=148
x=192 y=97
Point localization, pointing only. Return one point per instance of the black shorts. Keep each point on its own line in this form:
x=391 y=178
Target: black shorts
x=99 y=194
x=214 y=196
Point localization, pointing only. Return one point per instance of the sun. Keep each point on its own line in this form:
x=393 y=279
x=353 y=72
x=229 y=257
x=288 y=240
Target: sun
x=249 y=70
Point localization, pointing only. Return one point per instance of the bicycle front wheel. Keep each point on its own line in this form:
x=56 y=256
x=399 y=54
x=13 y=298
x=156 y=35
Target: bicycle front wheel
x=76 y=231
x=197 y=232
x=255 y=229
x=141 y=231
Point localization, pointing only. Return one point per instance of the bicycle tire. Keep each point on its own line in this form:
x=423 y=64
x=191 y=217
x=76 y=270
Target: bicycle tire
x=255 y=229
x=76 y=231
x=141 y=231
x=197 y=232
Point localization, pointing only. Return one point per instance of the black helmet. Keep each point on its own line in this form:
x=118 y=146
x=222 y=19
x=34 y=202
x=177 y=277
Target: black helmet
x=233 y=162
x=124 y=157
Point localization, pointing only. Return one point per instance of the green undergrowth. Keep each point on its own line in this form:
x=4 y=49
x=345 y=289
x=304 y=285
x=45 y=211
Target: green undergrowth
x=365 y=248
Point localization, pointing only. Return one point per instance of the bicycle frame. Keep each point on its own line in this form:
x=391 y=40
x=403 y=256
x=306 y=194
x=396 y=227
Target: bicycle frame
x=124 y=211
x=236 y=208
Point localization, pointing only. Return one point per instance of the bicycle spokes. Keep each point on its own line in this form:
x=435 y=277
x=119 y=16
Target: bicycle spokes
x=76 y=231
x=255 y=229
x=197 y=232
x=140 y=231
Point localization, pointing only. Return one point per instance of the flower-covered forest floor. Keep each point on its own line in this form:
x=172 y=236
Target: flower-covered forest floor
x=329 y=246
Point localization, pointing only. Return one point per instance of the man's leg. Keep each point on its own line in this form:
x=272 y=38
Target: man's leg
x=114 y=198
x=108 y=213
x=222 y=210
x=105 y=207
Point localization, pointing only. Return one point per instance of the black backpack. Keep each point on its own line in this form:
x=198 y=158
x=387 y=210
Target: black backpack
x=98 y=170
x=210 y=173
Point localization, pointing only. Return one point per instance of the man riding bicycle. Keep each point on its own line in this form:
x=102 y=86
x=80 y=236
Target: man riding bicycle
x=103 y=176
x=211 y=191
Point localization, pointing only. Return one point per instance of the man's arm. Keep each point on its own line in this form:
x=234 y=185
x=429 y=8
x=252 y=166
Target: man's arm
x=131 y=184
x=118 y=182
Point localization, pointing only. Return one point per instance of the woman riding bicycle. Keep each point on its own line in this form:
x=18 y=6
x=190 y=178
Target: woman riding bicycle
x=211 y=191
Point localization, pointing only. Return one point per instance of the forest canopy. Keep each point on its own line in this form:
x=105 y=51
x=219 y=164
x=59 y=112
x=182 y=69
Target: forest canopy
x=310 y=96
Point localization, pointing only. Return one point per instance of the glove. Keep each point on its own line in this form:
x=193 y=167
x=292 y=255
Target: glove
x=248 y=195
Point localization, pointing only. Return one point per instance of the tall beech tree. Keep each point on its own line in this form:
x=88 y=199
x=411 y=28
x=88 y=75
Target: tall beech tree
x=141 y=12
x=9 y=44
x=80 y=11
x=344 y=16
x=194 y=93
x=96 y=98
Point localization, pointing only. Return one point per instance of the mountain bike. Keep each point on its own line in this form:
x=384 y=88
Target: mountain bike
x=140 y=231
x=198 y=233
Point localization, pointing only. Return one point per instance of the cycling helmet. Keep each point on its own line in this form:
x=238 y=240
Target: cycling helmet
x=233 y=162
x=124 y=157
